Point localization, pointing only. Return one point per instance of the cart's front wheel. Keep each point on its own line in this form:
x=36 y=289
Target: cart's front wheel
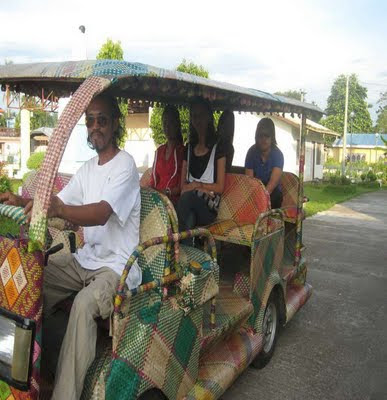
x=270 y=332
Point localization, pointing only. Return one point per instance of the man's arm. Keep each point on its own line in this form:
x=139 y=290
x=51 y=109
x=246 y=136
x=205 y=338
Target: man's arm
x=87 y=215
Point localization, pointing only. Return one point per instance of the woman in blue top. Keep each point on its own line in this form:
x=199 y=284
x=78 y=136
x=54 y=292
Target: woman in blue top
x=265 y=161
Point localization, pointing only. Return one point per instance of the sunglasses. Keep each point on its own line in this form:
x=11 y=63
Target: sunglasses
x=102 y=121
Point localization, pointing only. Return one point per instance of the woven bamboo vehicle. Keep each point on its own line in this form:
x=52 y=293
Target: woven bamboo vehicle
x=198 y=319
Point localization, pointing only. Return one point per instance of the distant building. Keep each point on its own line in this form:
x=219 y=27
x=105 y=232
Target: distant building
x=10 y=149
x=366 y=147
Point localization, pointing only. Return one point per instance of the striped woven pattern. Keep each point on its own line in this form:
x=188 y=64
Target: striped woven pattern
x=14 y=213
x=71 y=115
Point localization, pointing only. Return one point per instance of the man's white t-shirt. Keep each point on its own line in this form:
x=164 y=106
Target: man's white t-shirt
x=117 y=183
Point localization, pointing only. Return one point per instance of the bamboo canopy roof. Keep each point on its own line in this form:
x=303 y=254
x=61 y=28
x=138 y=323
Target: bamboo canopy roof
x=142 y=83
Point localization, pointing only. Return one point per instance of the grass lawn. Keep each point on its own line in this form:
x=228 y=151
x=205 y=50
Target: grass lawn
x=324 y=196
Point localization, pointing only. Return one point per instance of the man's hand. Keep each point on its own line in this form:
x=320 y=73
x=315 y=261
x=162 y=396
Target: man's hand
x=11 y=199
x=56 y=207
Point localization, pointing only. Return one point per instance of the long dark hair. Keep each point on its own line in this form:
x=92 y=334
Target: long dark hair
x=175 y=113
x=266 y=125
x=116 y=114
x=210 y=134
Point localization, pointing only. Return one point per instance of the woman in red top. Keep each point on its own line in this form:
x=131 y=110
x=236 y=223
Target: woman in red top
x=166 y=170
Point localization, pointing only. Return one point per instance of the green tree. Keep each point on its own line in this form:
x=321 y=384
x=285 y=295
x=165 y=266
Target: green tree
x=113 y=51
x=39 y=119
x=357 y=103
x=381 y=122
x=156 y=117
x=293 y=94
x=3 y=121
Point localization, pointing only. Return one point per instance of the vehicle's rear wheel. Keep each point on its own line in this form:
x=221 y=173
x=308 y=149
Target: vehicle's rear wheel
x=270 y=332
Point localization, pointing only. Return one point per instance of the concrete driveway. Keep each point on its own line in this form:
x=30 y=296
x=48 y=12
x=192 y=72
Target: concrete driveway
x=336 y=346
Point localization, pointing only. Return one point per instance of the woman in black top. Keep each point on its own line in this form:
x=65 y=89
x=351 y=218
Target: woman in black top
x=203 y=170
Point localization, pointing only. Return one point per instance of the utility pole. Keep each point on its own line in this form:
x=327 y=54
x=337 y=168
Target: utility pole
x=345 y=128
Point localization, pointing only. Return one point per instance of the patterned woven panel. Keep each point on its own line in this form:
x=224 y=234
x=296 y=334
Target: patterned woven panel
x=234 y=232
x=241 y=284
x=265 y=265
x=290 y=214
x=219 y=369
x=156 y=345
x=29 y=185
x=94 y=385
x=296 y=297
x=146 y=178
x=273 y=224
x=232 y=311
x=243 y=199
x=154 y=222
x=69 y=118
x=289 y=184
x=21 y=281
x=203 y=287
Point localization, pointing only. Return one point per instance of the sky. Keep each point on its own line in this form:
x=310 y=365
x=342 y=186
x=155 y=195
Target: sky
x=267 y=45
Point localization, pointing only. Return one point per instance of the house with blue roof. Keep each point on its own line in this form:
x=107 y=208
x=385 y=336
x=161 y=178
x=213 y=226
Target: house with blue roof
x=367 y=147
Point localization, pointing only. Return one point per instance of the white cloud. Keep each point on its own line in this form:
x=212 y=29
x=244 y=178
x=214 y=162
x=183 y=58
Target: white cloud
x=271 y=46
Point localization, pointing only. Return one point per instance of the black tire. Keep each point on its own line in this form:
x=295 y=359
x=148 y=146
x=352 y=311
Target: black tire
x=270 y=332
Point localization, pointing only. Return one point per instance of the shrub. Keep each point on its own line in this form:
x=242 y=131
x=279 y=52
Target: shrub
x=35 y=160
x=5 y=182
x=371 y=176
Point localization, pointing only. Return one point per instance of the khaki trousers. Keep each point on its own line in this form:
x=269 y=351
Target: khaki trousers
x=64 y=276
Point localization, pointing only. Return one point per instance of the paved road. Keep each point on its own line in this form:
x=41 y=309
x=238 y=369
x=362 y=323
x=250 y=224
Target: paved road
x=336 y=346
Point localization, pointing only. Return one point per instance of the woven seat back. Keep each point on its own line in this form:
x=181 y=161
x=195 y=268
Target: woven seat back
x=154 y=222
x=289 y=184
x=244 y=198
x=146 y=178
x=29 y=186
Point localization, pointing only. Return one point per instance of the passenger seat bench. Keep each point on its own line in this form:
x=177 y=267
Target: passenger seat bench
x=243 y=200
x=289 y=184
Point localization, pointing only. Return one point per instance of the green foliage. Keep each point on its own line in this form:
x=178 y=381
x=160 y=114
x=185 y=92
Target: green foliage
x=156 y=117
x=39 y=119
x=113 y=51
x=3 y=121
x=5 y=182
x=381 y=122
x=293 y=94
x=35 y=160
x=356 y=103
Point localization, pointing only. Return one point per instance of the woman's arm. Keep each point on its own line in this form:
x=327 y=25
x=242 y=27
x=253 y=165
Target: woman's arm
x=184 y=185
x=274 y=179
x=249 y=172
x=218 y=186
